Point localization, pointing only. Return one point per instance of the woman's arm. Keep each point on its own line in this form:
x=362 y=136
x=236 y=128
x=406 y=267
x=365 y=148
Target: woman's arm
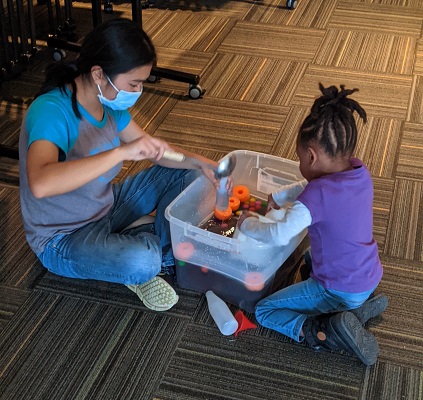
x=192 y=160
x=48 y=177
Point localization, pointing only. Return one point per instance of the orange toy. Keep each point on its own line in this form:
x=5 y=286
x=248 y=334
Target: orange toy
x=234 y=203
x=254 y=281
x=184 y=250
x=241 y=192
x=223 y=215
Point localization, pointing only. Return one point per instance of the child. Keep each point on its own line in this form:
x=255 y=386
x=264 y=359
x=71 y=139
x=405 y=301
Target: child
x=74 y=139
x=336 y=207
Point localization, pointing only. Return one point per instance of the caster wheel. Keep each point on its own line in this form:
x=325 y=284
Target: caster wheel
x=291 y=4
x=195 y=91
x=153 y=79
x=38 y=53
x=108 y=8
x=26 y=57
x=58 y=54
x=3 y=75
x=14 y=68
x=70 y=24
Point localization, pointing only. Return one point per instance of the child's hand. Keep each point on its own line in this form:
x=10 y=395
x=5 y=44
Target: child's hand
x=271 y=203
x=244 y=215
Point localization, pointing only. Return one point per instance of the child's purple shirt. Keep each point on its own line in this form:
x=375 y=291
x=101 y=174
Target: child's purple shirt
x=344 y=254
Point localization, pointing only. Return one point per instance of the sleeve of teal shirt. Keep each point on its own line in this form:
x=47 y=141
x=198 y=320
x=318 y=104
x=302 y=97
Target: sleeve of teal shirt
x=47 y=120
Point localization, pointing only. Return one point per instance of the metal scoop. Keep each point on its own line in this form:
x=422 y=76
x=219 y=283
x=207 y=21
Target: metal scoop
x=226 y=166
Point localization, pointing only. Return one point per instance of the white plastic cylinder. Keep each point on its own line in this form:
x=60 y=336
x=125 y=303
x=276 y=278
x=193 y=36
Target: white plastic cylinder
x=221 y=314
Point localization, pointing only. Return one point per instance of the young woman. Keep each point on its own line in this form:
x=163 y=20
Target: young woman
x=74 y=139
x=335 y=204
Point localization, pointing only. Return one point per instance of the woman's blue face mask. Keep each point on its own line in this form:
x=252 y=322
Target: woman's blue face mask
x=123 y=99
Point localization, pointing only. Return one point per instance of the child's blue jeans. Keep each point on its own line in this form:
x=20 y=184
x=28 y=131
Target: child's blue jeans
x=286 y=310
x=105 y=250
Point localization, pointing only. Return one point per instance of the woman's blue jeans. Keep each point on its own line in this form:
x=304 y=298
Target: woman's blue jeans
x=104 y=250
x=286 y=310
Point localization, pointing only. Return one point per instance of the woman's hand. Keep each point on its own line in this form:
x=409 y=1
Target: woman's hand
x=209 y=171
x=144 y=147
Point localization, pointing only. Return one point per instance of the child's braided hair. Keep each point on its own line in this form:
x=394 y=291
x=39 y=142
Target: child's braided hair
x=331 y=122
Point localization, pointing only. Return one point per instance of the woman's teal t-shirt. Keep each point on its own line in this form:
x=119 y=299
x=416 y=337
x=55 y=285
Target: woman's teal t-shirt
x=50 y=117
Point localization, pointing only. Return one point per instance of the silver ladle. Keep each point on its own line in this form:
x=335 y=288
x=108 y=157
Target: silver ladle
x=224 y=169
x=226 y=166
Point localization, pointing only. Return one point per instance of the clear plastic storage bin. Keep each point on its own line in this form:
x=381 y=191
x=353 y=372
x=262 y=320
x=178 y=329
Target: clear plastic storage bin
x=242 y=270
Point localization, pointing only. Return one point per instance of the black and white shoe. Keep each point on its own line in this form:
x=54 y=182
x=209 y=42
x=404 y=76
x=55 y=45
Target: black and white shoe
x=342 y=331
x=371 y=308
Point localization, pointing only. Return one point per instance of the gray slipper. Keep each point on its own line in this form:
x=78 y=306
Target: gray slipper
x=156 y=294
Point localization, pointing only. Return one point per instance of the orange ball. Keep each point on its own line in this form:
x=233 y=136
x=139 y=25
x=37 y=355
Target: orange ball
x=241 y=192
x=234 y=203
x=204 y=270
x=184 y=250
x=254 y=281
x=223 y=215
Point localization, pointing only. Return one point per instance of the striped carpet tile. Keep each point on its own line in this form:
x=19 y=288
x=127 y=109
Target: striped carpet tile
x=12 y=299
x=252 y=79
x=383 y=194
x=415 y=109
x=215 y=8
x=404 y=237
x=378 y=143
x=367 y=51
x=312 y=14
x=11 y=114
x=376 y=90
x=377 y=18
x=189 y=61
x=272 y=41
x=120 y=353
x=214 y=367
x=189 y=31
x=19 y=267
x=223 y=125
x=400 y=333
x=9 y=172
x=392 y=381
x=418 y=65
x=269 y=12
x=286 y=142
x=154 y=106
x=410 y=156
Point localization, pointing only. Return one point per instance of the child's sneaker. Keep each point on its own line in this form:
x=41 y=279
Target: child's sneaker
x=156 y=294
x=342 y=331
x=371 y=308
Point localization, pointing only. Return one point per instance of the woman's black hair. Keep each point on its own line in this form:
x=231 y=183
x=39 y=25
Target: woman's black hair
x=331 y=122
x=117 y=46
